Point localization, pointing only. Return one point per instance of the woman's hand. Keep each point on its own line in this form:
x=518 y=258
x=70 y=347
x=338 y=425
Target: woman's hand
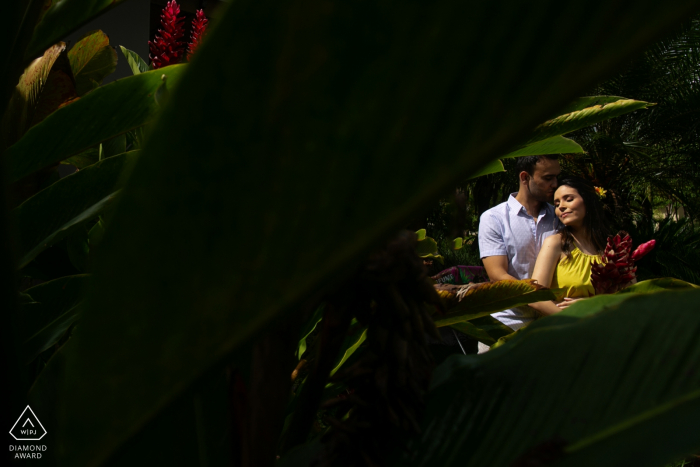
x=568 y=301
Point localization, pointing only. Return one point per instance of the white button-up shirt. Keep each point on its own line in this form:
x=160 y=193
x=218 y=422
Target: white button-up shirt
x=508 y=230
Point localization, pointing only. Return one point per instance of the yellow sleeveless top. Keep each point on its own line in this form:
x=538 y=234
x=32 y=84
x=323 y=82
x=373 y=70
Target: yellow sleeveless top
x=574 y=275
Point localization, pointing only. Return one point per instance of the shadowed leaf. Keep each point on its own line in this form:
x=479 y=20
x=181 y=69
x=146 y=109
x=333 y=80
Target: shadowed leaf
x=50 y=215
x=60 y=18
x=602 y=387
x=340 y=134
x=92 y=119
x=42 y=324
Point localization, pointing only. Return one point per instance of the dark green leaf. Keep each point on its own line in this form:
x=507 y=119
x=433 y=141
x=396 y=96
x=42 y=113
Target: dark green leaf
x=338 y=135
x=492 y=168
x=113 y=146
x=104 y=113
x=61 y=17
x=553 y=145
x=308 y=328
x=626 y=379
x=136 y=63
x=486 y=329
x=44 y=323
x=50 y=215
x=91 y=59
x=84 y=159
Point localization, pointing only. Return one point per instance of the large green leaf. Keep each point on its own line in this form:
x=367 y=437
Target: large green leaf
x=50 y=215
x=601 y=391
x=91 y=59
x=471 y=301
x=553 y=145
x=56 y=308
x=491 y=168
x=106 y=112
x=327 y=136
x=61 y=17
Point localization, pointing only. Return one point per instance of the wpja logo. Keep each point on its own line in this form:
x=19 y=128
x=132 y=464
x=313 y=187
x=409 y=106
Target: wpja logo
x=27 y=428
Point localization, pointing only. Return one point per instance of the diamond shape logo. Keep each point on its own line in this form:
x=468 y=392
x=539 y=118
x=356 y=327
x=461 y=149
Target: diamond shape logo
x=28 y=427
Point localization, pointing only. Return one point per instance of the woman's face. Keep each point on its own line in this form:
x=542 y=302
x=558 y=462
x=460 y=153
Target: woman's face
x=569 y=205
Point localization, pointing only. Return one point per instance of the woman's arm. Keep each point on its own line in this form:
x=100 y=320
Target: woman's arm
x=546 y=263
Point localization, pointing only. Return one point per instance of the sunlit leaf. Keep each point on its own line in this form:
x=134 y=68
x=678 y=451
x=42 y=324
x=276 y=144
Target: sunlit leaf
x=91 y=59
x=466 y=302
x=136 y=63
x=25 y=98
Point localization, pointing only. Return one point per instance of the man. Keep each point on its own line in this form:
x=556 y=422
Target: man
x=511 y=234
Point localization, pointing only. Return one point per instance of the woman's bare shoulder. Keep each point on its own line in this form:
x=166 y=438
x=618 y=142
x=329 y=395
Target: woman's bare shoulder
x=553 y=241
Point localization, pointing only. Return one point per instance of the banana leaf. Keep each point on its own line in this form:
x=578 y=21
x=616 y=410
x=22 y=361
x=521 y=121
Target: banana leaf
x=489 y=297
x=338 y=148
x=54 y=212
x=598 y=391
x=106 y=112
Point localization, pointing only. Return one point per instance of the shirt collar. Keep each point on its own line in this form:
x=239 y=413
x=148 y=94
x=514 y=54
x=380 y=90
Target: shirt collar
x=516 y=207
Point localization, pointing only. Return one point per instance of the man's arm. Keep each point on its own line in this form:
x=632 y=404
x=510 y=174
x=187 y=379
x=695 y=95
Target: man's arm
x=497 y=267
x=492 y=248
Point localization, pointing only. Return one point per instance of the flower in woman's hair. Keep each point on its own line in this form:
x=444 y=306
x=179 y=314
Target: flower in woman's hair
x=199 y=28
x=167 y=49
x=600 y=192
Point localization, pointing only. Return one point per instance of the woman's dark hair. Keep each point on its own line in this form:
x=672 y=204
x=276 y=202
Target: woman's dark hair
x=594 y=222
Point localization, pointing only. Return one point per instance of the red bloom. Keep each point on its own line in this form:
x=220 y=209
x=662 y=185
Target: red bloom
x=643 y=249
x=199 y=27
x=617 y=268
x=167 y=49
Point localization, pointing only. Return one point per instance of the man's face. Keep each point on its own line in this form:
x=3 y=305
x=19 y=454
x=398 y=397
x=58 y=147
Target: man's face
x=543 y=181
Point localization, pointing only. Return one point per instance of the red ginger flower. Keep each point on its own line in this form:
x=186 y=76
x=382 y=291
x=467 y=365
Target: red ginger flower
x=167 y=49
x=199 y=27
x=617 y=268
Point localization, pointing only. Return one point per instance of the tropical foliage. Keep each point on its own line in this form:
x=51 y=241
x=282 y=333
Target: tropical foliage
x=234 y=220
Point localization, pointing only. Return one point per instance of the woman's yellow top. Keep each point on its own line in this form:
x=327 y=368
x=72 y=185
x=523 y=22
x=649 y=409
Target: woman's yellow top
x=574 y=275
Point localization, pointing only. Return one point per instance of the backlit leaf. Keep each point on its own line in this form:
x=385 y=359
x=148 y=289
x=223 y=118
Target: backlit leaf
x=91 y=59
x=471 y=301
x=25 y=98
x=136 y=63
x=553 y=145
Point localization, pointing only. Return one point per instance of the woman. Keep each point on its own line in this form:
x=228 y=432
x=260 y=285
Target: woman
x=564 y=261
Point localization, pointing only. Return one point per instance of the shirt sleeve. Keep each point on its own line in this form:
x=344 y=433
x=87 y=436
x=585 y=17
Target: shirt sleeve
x=491 y=242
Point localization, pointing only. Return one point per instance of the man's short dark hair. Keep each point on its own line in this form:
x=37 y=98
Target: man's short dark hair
x=527 y=163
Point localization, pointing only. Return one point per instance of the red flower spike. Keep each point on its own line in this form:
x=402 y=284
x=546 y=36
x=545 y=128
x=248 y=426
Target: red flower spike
x=167 y=49
x=617 y=268
x=643 y=249
x=199 y=27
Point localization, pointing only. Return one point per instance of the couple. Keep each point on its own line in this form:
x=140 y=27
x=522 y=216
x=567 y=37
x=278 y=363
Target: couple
x=526 y=237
